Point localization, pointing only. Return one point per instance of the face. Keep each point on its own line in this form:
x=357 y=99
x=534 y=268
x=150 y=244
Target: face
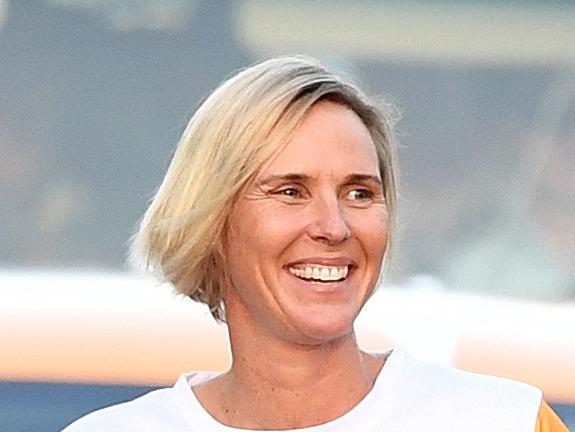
x=306 y=238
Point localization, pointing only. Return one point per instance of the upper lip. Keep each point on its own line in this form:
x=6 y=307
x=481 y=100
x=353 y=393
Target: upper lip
x=324 y=261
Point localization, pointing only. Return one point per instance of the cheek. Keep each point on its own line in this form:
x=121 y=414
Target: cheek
x=259 y=233
x=371 y=230
x=278 y=222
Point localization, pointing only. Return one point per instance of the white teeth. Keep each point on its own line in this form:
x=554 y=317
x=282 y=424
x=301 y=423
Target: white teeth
x=315 y=273
x=333 y=274
x=322 y=273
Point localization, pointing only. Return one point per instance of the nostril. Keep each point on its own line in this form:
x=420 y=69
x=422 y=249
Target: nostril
x=330 y=233
x=330 y=225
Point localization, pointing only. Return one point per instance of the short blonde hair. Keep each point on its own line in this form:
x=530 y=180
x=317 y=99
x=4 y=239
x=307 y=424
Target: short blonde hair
x=239 y=127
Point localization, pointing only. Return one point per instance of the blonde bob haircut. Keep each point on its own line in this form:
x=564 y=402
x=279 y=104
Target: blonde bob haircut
x=241 y=125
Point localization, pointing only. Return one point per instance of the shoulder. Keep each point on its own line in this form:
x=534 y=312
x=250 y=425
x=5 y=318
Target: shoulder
x=173 y=409
x=468 y=401
x=144 y=413
x=449 y=380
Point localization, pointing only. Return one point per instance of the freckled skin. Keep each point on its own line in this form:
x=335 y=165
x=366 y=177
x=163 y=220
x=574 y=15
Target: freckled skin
x=293 y=341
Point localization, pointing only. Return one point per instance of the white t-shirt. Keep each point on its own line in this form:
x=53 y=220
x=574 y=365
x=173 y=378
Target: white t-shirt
x=407 y=396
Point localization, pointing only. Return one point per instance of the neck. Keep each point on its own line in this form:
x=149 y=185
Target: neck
x=284 y=386
x=297 y=366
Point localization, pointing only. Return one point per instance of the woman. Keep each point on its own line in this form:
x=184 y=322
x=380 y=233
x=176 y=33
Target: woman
x=277 y=212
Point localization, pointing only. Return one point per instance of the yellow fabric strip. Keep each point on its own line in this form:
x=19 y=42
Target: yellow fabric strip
x=547 y=420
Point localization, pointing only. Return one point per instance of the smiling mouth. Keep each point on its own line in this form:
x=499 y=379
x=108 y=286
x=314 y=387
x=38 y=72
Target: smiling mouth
x=320 y=273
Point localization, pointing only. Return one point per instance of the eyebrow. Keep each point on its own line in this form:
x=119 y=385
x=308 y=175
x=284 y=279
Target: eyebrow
x=363 y=178
x=297 y=177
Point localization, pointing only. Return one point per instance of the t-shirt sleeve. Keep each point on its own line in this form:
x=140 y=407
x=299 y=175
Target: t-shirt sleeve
x=548 y=421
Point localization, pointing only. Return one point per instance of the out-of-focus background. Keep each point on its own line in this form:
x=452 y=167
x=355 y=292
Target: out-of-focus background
x=95 y=93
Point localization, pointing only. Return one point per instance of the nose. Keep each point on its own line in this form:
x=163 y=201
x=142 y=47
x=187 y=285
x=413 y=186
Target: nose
x=329 y=224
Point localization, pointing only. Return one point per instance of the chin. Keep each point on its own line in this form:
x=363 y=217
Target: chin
x=326 y=327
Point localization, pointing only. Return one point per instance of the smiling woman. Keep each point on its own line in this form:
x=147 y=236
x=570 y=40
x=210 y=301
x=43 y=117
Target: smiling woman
x=240 y=129
x=308 y=233
x=277 y=212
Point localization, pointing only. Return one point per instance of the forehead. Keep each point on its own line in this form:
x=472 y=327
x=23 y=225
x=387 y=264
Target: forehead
x=331 y=138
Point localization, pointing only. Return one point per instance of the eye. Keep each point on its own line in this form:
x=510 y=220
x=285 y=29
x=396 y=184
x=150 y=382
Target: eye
x=289 y=192
x=361 y=194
